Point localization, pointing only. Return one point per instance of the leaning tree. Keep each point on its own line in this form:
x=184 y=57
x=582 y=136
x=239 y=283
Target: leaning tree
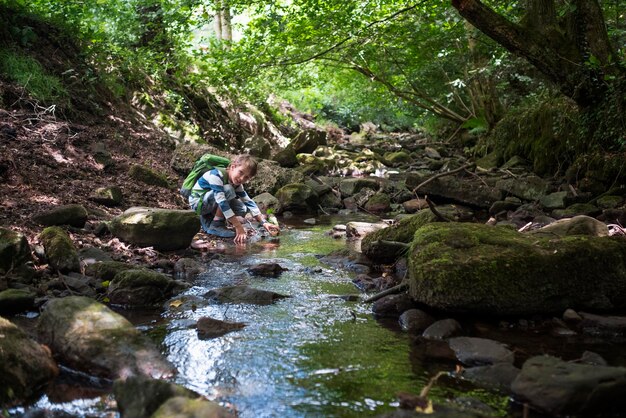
x=569 y=44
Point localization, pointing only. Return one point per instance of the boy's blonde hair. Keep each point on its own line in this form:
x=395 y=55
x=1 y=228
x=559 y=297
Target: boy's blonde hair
x=247 y=162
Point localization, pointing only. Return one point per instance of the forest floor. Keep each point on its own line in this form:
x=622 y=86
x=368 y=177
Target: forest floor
x=51 y=159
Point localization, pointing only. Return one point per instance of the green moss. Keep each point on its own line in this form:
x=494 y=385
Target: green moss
x=544 y=132
x=60 y=250
x=476 y=268
x=106 y=270
x=140 y=277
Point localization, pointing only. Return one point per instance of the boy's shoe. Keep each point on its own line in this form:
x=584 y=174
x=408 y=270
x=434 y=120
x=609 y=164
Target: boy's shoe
x=205 y=222
x=218 y=228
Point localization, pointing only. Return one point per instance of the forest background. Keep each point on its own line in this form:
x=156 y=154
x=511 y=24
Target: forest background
x=541 y=79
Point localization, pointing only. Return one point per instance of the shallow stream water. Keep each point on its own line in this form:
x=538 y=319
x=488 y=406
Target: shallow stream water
x=312 y=354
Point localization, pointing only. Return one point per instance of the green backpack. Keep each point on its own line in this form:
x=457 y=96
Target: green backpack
x=205 y=163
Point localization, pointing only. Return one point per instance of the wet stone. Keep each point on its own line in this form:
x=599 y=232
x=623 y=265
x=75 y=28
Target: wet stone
x=244 y=294
x=562 y=388
x=267 y=270
x=212 y=328
x=480 y=351
x=494 y=376
x=415 y=321
x=392 y=305
x=442 y=329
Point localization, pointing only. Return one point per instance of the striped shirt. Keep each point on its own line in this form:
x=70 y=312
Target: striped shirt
x=213 y=180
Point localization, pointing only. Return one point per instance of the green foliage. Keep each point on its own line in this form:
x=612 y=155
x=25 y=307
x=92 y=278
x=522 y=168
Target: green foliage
x=544 y=130
x=29 y=74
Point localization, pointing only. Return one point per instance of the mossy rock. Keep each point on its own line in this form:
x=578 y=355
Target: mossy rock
x=25 y=365
x=476 y=268
x=609 y=202
x=183 y=407
x=106 y=270
x=13 y=301
x=140 y=287
x=108 y=196
x=73 y=215
x=379 y=203
x=286 y=157
x=577 y=209
x=403 y=231
x=351 y=186
x=88 y=336
x=163 y=229
x=297 y=197
x=395 y=159
x=60 y=250
x=139 y=396
x=14 y=250
x=148 y=176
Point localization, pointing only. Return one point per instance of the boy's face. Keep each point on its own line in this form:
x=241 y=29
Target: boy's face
x=239 y=175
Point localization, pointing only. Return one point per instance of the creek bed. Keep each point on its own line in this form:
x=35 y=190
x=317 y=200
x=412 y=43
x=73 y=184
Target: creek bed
x=312 y=354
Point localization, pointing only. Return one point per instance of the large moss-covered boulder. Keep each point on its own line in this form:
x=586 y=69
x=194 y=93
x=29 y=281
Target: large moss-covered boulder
x=87 y=336
x=73 y=215
x=25 y=366
x=374 y=246
x=286 y=157
x=60 y=250
x=497 y=270
x=163 y=229
x=140 y=287
x=14 y=250
x=297 y=197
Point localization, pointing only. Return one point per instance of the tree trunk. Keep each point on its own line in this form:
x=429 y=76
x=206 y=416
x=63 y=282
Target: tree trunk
x=485 y=100
x=563 y=59
x=218 y=20
x=227 y=29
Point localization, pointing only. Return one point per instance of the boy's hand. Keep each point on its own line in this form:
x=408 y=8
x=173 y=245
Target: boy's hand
x=241 y=236
x=271 y=228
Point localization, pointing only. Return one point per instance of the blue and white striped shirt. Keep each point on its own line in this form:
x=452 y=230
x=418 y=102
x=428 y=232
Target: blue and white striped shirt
x=213 y=180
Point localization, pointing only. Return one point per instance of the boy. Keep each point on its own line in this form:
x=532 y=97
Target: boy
x=221 y=197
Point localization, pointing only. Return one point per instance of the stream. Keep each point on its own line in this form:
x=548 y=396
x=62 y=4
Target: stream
x=313 y=354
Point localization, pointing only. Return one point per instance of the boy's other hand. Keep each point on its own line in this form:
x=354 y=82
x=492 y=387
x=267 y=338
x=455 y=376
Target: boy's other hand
x=271 y=228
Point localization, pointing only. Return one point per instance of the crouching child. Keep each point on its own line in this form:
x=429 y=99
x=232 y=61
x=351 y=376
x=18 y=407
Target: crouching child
x=220 y=196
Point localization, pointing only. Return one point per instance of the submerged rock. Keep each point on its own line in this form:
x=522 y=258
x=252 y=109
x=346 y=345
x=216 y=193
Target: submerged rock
x=244 y=294
x=442 y=329
x=561 y=388
x=267 y=270
x=480 y=351
x=140 y=287
x=89 y=337
x=497 y=376
x=211 y=328
x=496 y=270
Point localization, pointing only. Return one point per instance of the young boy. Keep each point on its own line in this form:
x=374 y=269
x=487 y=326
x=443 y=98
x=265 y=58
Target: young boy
x=221 y=197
